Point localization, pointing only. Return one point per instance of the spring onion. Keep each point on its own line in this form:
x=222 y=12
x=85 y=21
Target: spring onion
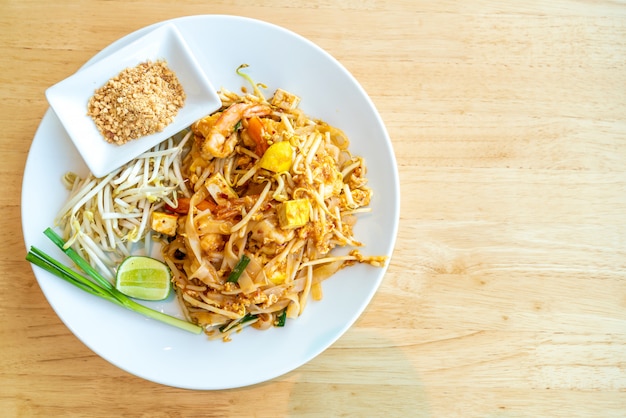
x=241 y=265
x=98 y=286
x=281 y=318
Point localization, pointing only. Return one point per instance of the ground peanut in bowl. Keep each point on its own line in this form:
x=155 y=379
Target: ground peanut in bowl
x=139 y=101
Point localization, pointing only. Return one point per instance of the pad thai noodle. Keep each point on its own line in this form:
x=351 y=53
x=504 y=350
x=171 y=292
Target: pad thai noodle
x=273 y=190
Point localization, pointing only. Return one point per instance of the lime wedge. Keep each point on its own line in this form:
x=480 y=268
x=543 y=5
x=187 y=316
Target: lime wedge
x=143 y=278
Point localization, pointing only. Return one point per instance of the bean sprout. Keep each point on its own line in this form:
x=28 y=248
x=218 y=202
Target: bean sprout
x=107 y=218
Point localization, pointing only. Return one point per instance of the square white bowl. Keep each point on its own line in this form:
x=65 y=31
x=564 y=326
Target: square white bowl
x=69 y=98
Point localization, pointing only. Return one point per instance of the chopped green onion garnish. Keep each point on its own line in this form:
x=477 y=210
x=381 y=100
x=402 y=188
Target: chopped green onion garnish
x=239 y=268
x=281 y=319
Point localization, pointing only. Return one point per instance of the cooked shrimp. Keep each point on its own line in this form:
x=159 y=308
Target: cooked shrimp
x=217 y=135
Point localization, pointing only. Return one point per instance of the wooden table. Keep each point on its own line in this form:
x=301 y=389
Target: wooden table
x=506 y=295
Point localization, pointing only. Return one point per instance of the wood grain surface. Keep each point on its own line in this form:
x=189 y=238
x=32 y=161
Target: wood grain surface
x=506 y=294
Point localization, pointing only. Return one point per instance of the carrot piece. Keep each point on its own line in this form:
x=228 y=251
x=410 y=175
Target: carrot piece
x=255 y=130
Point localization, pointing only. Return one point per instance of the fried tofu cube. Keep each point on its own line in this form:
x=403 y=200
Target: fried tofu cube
x=293 y=213
x=285 y=100
x=219 y=190
x=164 y=223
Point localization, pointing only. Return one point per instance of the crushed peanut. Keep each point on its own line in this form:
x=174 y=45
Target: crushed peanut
x=139 y=101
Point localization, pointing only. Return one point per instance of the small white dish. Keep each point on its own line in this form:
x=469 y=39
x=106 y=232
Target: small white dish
x=69 y=98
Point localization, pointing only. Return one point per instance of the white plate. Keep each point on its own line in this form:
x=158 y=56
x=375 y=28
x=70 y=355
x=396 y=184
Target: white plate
x=69 y=97
x=170 y=356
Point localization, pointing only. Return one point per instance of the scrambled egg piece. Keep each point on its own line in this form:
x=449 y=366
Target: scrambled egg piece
x=277 y=278
x=278 y=157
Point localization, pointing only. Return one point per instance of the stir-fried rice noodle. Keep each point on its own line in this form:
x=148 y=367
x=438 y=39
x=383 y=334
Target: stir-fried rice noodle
x=285 y=216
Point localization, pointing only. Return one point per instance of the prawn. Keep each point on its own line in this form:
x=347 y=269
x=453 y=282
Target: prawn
x=217 y=132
